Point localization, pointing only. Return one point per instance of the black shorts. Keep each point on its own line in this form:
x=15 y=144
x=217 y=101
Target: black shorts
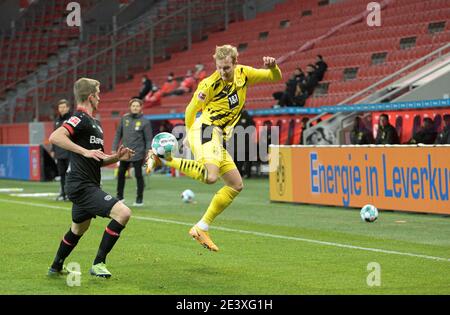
x=89 y=202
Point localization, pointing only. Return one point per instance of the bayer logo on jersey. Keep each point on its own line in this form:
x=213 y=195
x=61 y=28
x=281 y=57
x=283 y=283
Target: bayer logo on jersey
x=233 y=100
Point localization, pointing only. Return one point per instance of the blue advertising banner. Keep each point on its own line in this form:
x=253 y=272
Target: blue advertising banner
x=15 y=161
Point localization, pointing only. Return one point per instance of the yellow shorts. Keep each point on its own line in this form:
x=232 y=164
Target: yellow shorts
x=206 y=143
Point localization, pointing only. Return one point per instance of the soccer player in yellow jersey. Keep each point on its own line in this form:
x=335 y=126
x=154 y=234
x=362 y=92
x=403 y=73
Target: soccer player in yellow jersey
x=221 y=98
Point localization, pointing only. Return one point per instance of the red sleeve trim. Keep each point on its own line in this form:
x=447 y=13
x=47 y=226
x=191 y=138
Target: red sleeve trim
x=69 y=128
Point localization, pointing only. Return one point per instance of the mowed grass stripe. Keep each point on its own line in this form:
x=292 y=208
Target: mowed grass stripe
x=268 y=235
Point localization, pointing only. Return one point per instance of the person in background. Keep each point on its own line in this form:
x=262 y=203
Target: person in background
x=200 y=72
x=244 y=161
x=425 y=135
x=311 y=80
x=187 y=85
x=146 y=87
x=169 y=86
x=293 y=89
x=135 y=132
x=444 y=136
x=165 y=126
x=386 y=132
x=61 y=155
x=321 y=67
x=360 y=134
x=304 y=123
x=300 y=97
x=153 y=98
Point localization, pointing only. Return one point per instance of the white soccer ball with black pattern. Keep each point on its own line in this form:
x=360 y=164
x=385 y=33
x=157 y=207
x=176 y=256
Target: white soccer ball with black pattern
x=187 y=196
x=164 y=145
x=369 y=213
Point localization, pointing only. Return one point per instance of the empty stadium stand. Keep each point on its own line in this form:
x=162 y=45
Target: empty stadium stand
x=294 y=31
x=295 y=23
x=110 y=56
x=38 y=34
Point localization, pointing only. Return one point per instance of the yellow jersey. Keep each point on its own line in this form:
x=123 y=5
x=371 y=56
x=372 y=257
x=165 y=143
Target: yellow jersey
x=222 y=102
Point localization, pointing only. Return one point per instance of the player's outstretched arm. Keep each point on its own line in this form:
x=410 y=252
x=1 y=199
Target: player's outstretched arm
x=271 y=73
x=270 y=62
x=122 y=154
x=60 y=137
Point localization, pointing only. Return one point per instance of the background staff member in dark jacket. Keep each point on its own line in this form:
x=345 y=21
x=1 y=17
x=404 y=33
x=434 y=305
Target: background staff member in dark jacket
x=61 y=155
x=444 y=136
x=386 y=133
x=425 y=135
x=360 y=134
x=136 y=133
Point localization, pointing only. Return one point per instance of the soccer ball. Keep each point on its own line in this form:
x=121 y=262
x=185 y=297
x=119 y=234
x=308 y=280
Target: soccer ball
x=187 y=196
x=164 y=145
x=369 y=213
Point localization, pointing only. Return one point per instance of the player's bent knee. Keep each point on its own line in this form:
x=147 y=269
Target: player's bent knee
x=238 y=187
x=79 y=228
x=125 y=214
x=121 y=213
x=212 y=179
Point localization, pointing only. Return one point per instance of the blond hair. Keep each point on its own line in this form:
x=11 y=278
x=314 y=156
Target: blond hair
x=224 y=51
x=83 y=88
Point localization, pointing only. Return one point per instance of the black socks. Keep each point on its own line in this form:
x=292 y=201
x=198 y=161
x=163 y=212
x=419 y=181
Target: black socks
x=110 y=237
x=68 y=243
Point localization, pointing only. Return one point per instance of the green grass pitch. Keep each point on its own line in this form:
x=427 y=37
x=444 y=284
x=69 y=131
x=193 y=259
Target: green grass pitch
x=265 y=248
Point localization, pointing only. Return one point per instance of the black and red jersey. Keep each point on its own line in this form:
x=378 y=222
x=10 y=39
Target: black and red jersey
x=87 y=132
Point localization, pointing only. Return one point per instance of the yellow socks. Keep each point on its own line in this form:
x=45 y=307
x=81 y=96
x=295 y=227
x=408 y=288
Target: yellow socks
x=198 y=171
x=190 y=168
x=220 y=201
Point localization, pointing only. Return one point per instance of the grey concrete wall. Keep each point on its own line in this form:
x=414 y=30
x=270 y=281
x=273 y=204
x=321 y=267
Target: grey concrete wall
x=436 y=89
x=36 y=132
x=134 y=10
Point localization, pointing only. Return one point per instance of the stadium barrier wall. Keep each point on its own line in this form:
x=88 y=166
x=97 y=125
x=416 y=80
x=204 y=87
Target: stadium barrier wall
x=20 y=133
x=20 y=162
x=14 y=133
x=405 y=178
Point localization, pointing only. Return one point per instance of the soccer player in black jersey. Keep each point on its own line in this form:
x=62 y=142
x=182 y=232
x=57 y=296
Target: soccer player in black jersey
x=82 y=135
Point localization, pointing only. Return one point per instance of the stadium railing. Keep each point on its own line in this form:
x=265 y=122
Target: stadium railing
x=113 y=62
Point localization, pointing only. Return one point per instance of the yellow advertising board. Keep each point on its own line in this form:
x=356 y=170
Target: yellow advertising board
x=406 y=178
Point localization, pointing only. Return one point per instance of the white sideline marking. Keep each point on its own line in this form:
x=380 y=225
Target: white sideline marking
x=35 y=195
x=10 y=190
x=291 y=238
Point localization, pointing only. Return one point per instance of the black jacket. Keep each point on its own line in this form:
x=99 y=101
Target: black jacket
x=136 y=133
x=361 y=136
x=146 y=88
x=387 y=135
x=444 y=136
x=310 y=82
x=291 y=85
x=425 y=136
x=60 y=153
x=321 y=67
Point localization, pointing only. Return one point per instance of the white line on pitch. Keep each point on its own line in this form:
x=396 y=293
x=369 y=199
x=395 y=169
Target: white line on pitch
x=284 y=237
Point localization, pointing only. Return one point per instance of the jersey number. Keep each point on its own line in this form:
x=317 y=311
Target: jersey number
x=233 y=100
